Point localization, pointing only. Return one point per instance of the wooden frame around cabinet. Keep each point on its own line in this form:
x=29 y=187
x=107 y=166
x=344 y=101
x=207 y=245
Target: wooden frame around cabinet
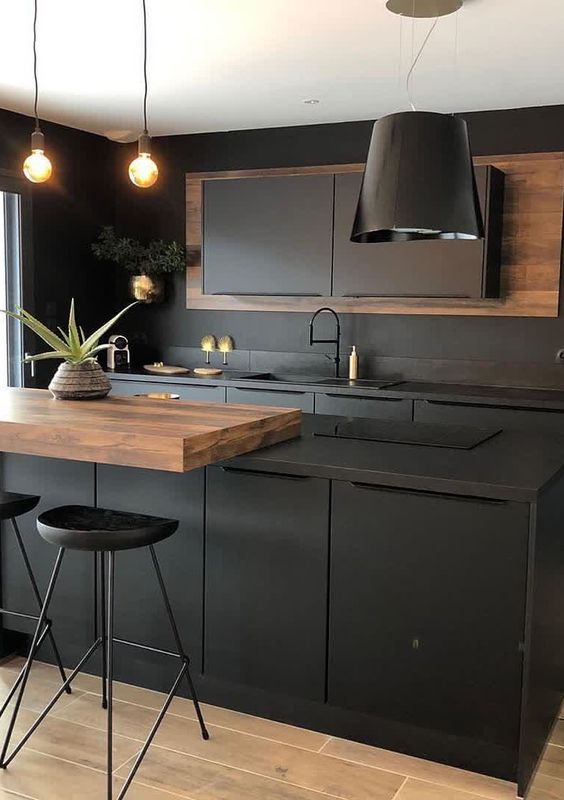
x=531 y=250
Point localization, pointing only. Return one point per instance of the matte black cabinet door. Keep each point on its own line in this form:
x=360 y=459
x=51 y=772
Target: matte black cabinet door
x=427 y=610
x=59 y=483
x=203 y=394
x=140 y=613
x=271 y=397
x=268 y=236
x=375 y=408
x=430 y=268
x=266 y=581
x=506 y=418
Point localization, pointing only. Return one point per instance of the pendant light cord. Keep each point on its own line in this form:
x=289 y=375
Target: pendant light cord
x=35 y=80
x=145 y=127
x=416 y=59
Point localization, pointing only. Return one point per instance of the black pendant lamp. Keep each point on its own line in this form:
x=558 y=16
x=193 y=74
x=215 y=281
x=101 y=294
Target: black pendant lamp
x=419 y=179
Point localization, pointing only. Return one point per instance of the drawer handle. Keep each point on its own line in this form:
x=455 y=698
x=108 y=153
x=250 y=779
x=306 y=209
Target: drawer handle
x=269 y=391
x=367 y=397
x=283 y=475
x=425 y=493
x=267 y=294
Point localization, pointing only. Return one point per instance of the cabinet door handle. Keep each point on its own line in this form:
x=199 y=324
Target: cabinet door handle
x=268 y=294
x=269 y=391
x=425 y=493
x=367 y=397
x=260 y=473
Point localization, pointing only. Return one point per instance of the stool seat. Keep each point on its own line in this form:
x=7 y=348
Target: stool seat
x=101 y=529
x=13 y=504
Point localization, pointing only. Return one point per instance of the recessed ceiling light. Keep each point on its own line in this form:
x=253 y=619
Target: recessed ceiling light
x=311 y=101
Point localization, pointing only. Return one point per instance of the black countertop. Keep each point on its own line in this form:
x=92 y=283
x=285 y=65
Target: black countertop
x=509 y=466
x=542 y=399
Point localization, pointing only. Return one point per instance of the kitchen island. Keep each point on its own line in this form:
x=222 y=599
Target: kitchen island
x=406 y=593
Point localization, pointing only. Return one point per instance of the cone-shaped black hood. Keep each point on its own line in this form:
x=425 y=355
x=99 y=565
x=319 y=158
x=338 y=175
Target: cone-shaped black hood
x=419 y=181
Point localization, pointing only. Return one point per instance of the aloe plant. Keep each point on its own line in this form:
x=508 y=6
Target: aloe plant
x=73 y=346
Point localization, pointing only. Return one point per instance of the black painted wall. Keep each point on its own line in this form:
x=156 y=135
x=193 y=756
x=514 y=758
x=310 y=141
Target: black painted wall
x=67 y=213
x=496 y=350
x=91 y=188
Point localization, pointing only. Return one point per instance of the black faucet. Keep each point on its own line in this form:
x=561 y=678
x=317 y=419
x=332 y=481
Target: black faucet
x=336 y=341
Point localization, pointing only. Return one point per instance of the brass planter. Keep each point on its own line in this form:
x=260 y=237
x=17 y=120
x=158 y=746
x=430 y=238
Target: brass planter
x=85 y=381
x=147 y=288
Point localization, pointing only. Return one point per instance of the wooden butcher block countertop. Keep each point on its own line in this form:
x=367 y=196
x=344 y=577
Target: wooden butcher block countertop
x=171 y=435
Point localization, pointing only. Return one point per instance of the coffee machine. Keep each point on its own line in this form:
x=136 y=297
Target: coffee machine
x=118 y=352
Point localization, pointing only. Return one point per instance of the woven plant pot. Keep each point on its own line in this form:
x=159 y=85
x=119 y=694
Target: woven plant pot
x=85 y=381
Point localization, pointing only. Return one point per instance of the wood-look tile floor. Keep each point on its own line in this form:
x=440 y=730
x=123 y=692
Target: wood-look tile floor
x=247 y=758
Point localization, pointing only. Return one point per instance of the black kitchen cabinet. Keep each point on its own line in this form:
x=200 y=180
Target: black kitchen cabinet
x=139 y=608
x=427 y=612
x=360 y=406
x=423 y=268
x=517 y=419
x=271 y=397
x=203 y=394
x=58 y=483
x=266 y=581
x=268 y=236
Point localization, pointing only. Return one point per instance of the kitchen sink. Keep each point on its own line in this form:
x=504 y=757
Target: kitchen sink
x=359 y=383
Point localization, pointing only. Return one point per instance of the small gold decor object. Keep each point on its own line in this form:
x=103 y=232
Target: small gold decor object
x=160 y=396
x=146 y=288
x=206 y=371
x=225 y=345
x=208 y=344
x=159 y=368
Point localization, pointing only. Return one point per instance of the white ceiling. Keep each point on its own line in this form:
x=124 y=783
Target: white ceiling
x=232 y=64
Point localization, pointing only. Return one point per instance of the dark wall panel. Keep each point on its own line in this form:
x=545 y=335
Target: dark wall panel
x=477 y=340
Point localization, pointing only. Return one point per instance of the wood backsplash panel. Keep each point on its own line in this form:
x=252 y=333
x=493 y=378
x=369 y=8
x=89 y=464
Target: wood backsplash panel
x=531 y=252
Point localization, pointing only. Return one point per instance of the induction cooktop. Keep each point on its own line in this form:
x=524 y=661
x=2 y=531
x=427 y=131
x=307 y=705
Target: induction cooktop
x=459 y=437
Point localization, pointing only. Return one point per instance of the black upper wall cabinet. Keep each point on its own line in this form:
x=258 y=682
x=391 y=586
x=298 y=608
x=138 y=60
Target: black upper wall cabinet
x=422 y=268
x=268 y=236
x=290 y=236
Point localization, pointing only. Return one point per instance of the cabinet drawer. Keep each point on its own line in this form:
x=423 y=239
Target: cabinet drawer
x=204 y=394
x=357 y=406
x=271 y=397
x=506 y=418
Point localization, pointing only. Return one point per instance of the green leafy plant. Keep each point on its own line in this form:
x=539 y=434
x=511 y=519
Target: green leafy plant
x=72 y=346
x=155 y=258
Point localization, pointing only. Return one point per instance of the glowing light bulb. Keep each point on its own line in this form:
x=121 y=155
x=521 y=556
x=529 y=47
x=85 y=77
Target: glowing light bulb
x=37 y=168
x=143 y=171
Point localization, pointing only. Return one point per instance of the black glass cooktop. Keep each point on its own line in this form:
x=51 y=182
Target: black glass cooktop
x=460 y=437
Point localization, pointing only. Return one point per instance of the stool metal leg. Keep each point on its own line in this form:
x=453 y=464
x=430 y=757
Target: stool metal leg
x=110 y=667
x=38 y=598
x=29 y=662
x=175 y=633
x=102 y=557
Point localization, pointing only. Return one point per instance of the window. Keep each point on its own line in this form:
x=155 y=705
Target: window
x=14 y=215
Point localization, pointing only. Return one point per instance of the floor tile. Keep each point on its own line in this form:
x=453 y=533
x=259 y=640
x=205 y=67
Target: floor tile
x=42 y=777
x=71 y=742
x=558 y=733
x=202 y=780
x=545 y=787
x=39 y=690
x=553 y=762
x=128 y=719
x=272 y=760
x=421 y=790
x=425 y=770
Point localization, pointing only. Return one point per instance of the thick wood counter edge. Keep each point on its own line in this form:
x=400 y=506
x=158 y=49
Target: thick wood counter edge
x=173 y=436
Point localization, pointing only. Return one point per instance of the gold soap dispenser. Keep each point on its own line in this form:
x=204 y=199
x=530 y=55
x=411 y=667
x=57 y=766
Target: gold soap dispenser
x=353 y=364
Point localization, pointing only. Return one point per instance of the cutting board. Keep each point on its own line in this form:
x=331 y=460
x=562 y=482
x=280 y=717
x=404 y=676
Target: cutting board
x=165 y=369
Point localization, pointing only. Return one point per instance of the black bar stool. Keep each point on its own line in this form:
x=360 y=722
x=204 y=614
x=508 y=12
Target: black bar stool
x=104 y=532
x=13 y=505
